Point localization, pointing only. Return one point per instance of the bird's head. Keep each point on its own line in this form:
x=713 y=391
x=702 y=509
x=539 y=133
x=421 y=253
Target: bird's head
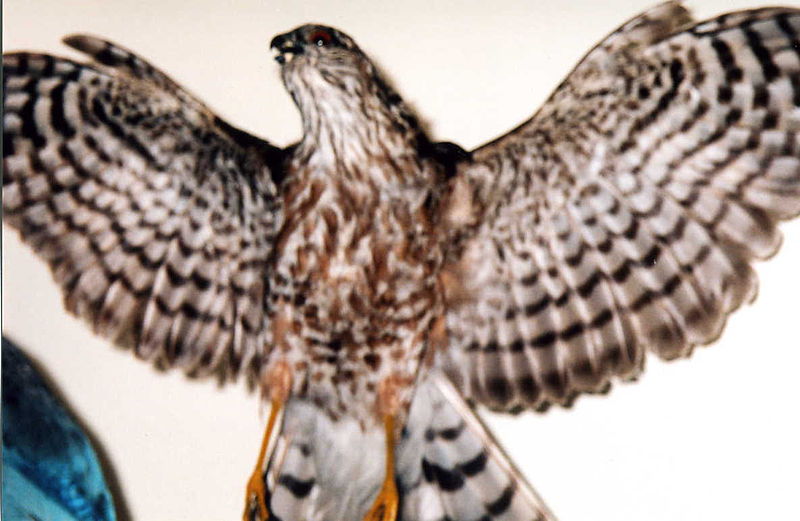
x=335 y=85
x=314 y=45
x=320 y=60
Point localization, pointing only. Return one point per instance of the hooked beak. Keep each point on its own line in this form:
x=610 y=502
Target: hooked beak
x=286 y=47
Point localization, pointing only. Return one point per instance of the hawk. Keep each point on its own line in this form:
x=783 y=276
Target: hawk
x=372 y=280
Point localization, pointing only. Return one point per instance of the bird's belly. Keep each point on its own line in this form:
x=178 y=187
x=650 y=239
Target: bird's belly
x=358 y=315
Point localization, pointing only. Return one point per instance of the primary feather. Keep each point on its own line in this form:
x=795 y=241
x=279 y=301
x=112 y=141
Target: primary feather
x=155 y=216
x=624 y=216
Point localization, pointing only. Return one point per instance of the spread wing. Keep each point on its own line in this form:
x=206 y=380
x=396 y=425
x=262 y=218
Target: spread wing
x=155 y=216
x=625 y=214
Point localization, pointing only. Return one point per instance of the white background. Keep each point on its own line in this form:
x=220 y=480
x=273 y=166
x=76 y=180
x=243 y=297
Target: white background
x=712 y=438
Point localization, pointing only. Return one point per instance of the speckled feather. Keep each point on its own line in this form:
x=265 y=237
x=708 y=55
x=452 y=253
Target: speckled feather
x=357 y=258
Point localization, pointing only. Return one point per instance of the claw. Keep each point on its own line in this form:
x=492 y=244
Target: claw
x=255 y=506
x=385 y=506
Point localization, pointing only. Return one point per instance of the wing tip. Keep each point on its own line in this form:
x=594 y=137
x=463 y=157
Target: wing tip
x=85 y=43
x=104 y=52
x=656 y=23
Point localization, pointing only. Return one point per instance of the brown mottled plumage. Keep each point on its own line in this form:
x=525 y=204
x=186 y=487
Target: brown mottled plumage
x=358 y=255
x=367 y=273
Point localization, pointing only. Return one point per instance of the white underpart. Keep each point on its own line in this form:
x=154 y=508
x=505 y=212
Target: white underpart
x=349 y=462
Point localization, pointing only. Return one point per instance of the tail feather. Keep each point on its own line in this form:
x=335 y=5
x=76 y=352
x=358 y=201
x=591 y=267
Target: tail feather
x=291 y=477
x=449 y=468
x=462 y=473
x=291 y=489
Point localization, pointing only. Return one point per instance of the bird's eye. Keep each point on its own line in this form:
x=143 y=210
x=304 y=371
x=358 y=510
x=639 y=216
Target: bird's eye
x=320 y=38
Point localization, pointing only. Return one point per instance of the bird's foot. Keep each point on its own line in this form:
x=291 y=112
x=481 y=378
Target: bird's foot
x=385 y=506
x=255 y=502
x=279 y=383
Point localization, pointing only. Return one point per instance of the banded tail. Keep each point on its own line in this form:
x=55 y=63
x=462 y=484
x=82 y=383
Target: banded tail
x=449 y=467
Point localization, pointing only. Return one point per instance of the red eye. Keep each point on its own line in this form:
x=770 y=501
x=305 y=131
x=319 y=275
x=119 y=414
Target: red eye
x=320 y=38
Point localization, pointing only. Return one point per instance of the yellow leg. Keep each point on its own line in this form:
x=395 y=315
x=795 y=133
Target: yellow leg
x=385 y=506
x=279 y=383
x=256 y=489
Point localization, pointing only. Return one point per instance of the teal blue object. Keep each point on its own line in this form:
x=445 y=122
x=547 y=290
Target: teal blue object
x=50 y=470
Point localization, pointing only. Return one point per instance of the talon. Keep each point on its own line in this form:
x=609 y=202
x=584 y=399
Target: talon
x=385 y=506
x=255 y=499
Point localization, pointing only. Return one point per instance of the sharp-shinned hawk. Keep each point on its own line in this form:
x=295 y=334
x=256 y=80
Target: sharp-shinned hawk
x=376 y=283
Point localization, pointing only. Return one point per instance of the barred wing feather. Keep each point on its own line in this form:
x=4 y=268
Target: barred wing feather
x=155 y=216
x=625 y=214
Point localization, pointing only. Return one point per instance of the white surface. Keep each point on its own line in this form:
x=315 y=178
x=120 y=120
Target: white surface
x=712 y=438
